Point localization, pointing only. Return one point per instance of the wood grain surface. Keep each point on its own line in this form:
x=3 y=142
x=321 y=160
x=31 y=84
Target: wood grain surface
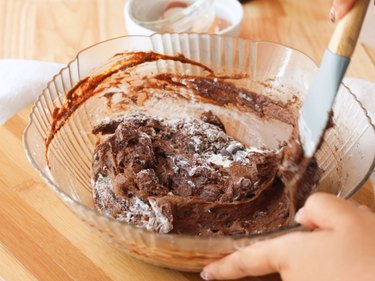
x=40 y=239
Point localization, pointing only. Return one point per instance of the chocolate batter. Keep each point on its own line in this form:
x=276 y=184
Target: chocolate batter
x=183 y=175
x=186 y=176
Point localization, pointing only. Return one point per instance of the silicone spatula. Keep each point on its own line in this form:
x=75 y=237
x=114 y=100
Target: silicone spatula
x=317 y=106
x=318 y=103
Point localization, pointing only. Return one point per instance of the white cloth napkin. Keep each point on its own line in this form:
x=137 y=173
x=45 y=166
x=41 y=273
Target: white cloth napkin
x=21 y=81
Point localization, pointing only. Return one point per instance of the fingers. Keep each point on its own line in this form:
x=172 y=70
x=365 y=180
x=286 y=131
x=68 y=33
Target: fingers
x=258 y=259
x=325 y=211
x=305 y=220
x=340 y=8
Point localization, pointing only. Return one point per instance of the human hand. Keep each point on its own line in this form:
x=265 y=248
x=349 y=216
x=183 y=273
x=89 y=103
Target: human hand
x=341 y=247
x=340 y=8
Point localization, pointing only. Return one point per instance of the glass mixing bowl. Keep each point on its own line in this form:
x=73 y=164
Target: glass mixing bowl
x=346 y=156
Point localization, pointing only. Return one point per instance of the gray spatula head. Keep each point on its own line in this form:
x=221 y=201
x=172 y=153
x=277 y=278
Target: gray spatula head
x=319 y=100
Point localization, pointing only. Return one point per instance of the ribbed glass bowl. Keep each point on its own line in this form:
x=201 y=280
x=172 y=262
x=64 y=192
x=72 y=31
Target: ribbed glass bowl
x=346 y=156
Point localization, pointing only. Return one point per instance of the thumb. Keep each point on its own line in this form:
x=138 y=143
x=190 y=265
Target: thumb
x=325 y=211
x=260 y=258
x=340 y=8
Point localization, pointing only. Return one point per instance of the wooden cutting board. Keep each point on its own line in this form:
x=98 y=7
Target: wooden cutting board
x=40 y=239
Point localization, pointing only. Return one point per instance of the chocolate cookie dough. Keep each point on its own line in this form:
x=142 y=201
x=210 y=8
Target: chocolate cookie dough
x=182 y=175
x=186 y=176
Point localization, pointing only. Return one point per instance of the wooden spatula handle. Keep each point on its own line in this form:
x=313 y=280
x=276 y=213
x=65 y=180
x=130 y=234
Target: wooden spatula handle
x=347 y=30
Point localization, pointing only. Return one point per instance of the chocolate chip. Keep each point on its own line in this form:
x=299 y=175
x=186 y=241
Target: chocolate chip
x=191 y=148
x=234 y=147
x=225 y=152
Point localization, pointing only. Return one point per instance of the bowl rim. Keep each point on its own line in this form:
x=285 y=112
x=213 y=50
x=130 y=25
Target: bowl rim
x=92 y=212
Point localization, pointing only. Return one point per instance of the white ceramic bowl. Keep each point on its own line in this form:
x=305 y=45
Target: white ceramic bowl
x=230 y=10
